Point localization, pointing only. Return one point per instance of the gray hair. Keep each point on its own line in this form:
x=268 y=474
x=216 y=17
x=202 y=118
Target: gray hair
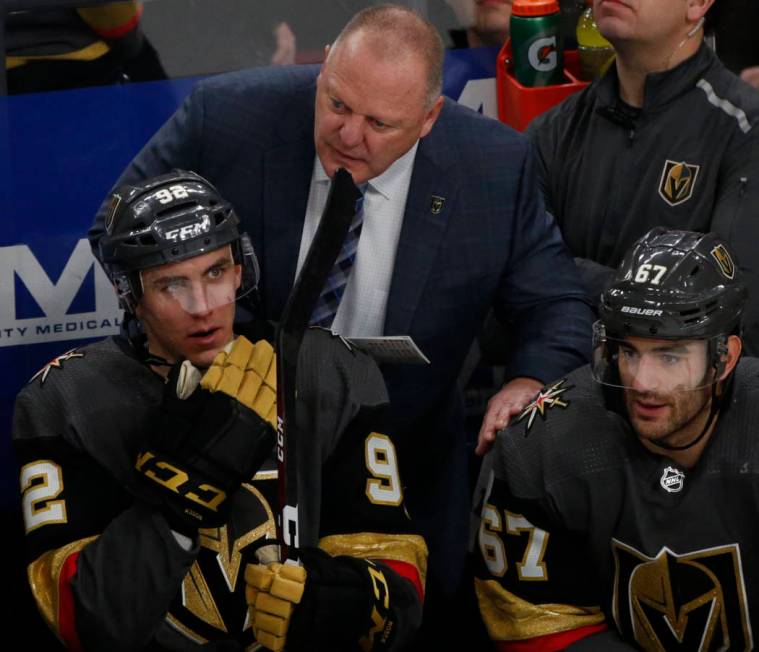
x=398 y=32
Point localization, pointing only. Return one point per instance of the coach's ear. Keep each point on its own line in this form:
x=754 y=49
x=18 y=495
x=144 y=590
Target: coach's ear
x=695 y=12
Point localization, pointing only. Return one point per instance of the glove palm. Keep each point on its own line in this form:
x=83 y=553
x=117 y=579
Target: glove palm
x=203 y=446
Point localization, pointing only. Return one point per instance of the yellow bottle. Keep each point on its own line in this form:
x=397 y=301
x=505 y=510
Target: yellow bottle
x=596 y=53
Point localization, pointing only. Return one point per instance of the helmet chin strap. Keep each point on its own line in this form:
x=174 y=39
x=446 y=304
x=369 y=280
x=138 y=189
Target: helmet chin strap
x=139 y=342
x=716 y=404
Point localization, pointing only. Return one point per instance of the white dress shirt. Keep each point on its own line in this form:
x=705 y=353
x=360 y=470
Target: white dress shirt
x=362 y=309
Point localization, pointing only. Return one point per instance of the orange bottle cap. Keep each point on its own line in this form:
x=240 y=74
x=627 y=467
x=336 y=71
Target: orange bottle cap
x=534 y=7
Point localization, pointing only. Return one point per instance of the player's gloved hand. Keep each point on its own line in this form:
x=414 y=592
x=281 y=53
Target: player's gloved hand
x=204 y=445
x=331 y=603
x=272 y=591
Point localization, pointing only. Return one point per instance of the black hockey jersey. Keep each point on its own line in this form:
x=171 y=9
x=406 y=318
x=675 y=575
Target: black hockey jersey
x=582 y=528
x=106 y=570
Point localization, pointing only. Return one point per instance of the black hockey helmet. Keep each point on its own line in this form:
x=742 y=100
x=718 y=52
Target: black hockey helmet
x=671 y=285
x=168 y=219
x=675 y=285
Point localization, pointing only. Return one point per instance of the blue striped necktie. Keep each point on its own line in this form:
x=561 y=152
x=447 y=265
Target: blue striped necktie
x=334 y=287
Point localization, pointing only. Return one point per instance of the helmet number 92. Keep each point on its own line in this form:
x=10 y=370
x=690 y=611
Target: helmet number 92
x=648 y=273
x=167 y=195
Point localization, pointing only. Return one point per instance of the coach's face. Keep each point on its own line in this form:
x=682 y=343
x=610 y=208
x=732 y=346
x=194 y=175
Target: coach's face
x=370 y=110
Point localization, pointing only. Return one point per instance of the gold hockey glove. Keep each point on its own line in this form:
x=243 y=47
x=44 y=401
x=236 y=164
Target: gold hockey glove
x=272 y=592
x=203 y=446
x=331 y=603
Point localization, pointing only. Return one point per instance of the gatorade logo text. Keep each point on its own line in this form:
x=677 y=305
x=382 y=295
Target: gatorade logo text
x=542 y=54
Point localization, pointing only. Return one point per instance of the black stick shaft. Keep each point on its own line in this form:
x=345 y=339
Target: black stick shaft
x=326 y=245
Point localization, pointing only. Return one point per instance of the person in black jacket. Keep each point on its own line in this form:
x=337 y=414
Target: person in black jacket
x=667 y=137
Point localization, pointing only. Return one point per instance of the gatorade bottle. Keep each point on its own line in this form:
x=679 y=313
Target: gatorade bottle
x=596 y=53
x=536 y=42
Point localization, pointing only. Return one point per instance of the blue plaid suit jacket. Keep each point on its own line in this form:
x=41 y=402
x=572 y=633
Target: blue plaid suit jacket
x=491 y=245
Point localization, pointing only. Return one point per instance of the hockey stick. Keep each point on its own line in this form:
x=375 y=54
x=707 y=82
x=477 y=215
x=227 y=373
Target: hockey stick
x=325 y=247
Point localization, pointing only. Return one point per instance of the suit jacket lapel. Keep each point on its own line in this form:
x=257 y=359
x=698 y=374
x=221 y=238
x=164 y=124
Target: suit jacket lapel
x=424 y=224
x=287 y=180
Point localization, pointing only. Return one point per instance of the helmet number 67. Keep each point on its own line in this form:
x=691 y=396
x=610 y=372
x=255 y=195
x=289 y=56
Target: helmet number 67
x=650 y=273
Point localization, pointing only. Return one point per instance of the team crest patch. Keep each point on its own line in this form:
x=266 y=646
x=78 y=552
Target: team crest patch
x=672 y=480
x=547 y=398
x=691 y=601
x=436 y=204
x=56 y=362
x=677 y=181
x=719 y=253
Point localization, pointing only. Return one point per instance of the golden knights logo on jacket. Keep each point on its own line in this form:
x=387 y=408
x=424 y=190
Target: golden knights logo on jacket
x=677 y=181
x=692 y=601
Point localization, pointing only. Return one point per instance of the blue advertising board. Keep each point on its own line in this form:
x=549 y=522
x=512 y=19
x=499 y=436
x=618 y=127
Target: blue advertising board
x=60 y=153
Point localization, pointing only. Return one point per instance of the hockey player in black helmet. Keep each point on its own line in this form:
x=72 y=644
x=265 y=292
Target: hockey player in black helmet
x=153 y=228
x=669 y=337
x=147 y=471
x=632 y=476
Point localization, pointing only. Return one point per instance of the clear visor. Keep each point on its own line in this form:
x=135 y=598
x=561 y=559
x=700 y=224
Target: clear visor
x=202 y=284
x=651 y=365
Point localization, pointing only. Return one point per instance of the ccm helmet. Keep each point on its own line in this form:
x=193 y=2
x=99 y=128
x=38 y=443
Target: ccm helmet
x=168 y=219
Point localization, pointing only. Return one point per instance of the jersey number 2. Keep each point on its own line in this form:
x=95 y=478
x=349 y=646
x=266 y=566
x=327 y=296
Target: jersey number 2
x=41 y=482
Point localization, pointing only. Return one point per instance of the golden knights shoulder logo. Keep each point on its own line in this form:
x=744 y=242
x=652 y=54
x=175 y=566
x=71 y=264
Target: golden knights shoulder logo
x=56 y=362
x=693 y=601
x=548 y=397
x=719 y=253
x=677 y=181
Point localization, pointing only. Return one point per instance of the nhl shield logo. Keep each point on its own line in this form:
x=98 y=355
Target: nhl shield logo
x=677 y=182
x=672 y=480
x=719 y=253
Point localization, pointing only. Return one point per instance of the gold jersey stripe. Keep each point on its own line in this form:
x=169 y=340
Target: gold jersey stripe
x=509 y=618
x=90 y=53
x=44 y=574
x=407 y=548
x=184 y=630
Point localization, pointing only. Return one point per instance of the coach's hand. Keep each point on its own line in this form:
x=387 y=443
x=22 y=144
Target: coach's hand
x=508 y=402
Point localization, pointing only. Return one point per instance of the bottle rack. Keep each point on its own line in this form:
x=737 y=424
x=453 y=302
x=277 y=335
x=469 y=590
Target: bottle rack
x=517 y=104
